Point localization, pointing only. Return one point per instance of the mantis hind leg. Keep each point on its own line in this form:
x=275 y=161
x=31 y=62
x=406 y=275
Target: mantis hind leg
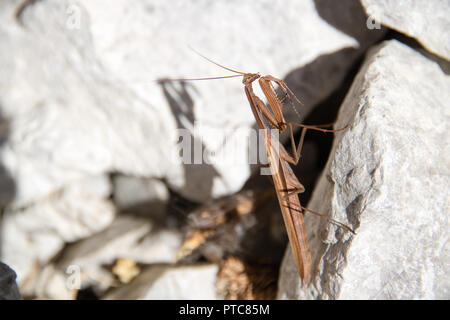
x=296 y=151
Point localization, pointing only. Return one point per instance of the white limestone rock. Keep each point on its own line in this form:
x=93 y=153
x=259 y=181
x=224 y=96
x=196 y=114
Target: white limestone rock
x=34 y=234
x=128 y=237
x=163 y=282
x=427 y=21
x=387 y=177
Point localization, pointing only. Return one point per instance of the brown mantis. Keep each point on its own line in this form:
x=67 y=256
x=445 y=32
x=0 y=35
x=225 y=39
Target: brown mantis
x=286 y=184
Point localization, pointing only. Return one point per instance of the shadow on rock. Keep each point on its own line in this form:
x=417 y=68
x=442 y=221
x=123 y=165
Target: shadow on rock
x=199 y=176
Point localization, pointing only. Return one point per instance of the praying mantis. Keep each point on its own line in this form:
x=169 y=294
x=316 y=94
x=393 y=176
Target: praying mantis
x=286 y=184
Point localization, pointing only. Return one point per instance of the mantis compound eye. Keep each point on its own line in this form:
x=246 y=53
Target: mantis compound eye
x=250 y=77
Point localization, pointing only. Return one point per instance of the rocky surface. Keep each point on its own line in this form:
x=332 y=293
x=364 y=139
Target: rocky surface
x=100 y=110
x=91 y=186
x=33 y=234
x=146 y=196
x=426 y=21
x=89 y=104
x=163 y=282
x=133 y=238
x=388 y=178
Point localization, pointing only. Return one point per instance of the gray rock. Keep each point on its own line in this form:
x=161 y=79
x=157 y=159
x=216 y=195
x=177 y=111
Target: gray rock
x=164 y=282
x=426 y=21
x=138 y=195
x=8 y=286
x=387 y=177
